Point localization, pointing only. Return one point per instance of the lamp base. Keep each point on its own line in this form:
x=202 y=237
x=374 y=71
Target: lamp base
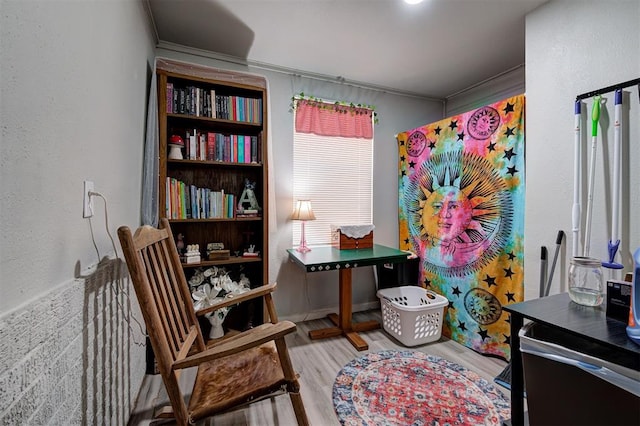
x=303 y=249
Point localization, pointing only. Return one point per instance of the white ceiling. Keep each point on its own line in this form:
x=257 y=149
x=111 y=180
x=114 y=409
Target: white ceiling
x=434 y=49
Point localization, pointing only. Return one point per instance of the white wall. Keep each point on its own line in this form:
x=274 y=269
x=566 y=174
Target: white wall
x=303 y=295
x=74 y=82
x=574 y=47
x=505 y=85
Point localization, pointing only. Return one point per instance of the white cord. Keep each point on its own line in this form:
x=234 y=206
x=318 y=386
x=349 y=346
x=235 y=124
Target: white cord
x=118 y=282
x=106 y=220
x=93 y=239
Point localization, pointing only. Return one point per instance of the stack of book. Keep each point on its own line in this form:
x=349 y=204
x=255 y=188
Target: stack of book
x=190 y=202
x=193 y=100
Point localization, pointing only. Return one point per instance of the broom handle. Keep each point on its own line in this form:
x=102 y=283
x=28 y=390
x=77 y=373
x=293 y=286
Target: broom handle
x=595 y=116
x=617 y=141
x=576 y=215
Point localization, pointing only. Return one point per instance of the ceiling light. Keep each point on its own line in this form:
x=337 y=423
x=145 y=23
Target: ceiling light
x=413 y=1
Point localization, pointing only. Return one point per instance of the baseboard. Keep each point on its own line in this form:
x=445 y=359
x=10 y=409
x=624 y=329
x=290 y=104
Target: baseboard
x=322 y=313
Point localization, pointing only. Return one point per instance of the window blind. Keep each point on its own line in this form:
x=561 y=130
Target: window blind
x=336 y=174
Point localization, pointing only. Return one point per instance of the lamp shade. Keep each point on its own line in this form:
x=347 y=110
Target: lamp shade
x=303 y=211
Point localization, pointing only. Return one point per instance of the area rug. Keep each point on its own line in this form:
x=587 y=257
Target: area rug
x=412 y=388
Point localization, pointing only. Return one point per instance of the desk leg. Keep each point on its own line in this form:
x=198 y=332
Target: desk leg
x=344 y=313
x=343 y=324
x=517 y=373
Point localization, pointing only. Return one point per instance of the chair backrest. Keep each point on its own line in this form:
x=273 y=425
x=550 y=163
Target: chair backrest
x=164 y=297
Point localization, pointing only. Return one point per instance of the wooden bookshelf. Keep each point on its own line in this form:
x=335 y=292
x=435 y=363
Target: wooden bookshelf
x=232 y=112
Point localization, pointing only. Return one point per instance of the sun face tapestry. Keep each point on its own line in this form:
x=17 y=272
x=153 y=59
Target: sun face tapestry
x=461 y=183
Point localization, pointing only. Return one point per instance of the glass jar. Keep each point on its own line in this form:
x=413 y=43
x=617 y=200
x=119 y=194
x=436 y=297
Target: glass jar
x=585 y=281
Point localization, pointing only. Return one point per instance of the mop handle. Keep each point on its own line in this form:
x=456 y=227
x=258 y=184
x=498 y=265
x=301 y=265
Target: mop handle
x=617 y=139
x=595 y=116
x=576 y=212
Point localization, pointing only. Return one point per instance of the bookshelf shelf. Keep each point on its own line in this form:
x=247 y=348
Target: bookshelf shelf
x=222 y=219
x=204 y=163
x=223 y=128
x=230 y=261
x=221 y=121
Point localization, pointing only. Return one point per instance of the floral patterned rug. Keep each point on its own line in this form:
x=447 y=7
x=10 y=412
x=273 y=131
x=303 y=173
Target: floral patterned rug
x=412 y=388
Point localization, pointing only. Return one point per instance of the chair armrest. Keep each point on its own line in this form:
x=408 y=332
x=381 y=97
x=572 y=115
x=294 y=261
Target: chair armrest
x=237 y=298
x=249 y=339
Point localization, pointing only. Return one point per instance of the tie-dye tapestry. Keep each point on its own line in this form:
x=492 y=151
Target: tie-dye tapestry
x=461 y=183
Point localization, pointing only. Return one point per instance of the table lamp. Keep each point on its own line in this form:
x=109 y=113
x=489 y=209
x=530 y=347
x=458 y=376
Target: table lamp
x=303 y=213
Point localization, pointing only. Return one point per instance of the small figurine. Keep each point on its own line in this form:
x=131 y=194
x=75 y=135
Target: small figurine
x=248 y=196
x=251 y=251
x=193 y=253
x=180 y=243
x=175 y=147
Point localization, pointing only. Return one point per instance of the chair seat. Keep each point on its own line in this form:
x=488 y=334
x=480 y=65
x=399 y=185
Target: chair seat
x=226 y=382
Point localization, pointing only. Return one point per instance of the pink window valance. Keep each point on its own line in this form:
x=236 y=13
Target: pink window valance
x=327 y=119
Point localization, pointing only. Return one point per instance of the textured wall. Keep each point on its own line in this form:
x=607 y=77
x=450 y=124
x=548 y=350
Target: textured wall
x=71 y=357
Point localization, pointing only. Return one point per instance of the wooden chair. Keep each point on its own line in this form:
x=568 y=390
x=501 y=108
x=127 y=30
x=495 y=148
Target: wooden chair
x=232 y=372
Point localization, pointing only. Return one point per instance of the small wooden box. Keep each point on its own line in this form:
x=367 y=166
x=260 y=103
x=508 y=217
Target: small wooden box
x=219 y=255
x=344 y=242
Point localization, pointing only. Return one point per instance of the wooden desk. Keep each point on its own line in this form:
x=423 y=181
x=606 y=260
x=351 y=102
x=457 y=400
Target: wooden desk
x=559 y=312
x=327 y=258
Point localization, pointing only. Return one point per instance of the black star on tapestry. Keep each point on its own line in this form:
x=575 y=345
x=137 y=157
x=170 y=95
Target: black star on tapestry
x=483 y=333
x=509 y=153
x=509 y=108
x=490 y=281
x=508 y=273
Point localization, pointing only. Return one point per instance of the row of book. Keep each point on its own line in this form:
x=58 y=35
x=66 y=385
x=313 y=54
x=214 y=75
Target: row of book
x=190 y=202
x=192 y=100
x=213 y=146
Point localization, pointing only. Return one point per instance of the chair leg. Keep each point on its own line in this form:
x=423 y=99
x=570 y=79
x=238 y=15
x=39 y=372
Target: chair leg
x=298 y=408
x=293 y=387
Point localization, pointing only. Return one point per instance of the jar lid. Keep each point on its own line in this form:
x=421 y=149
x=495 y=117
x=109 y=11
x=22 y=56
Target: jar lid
x=586 y=261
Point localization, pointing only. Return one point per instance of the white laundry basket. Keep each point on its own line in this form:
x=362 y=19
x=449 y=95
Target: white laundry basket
x=411 y=314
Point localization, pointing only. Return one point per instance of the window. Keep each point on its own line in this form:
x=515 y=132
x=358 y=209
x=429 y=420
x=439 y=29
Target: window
x=332 y=167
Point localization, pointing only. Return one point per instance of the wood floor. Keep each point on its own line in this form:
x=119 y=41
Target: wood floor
x=318 y=362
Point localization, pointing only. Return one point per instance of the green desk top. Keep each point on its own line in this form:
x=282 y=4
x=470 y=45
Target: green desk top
x=325 y=258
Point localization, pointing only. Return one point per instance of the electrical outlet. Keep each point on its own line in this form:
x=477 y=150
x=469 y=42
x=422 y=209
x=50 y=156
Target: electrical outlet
x=87 y=200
